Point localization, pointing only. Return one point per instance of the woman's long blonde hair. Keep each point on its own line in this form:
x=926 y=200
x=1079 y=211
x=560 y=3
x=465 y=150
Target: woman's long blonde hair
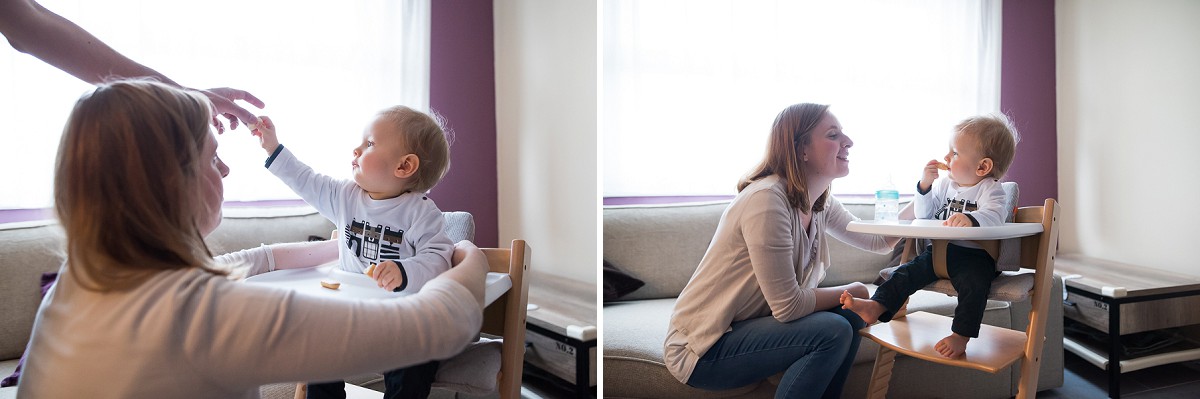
x=125 y=183
x=791 y=131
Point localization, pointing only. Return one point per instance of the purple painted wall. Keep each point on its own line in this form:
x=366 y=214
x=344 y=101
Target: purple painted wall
x=664 y=200
x=1027 y=95
x=462 y=86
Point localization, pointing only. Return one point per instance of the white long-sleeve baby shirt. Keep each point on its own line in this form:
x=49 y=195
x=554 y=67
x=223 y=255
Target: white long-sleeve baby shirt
x=407 y=229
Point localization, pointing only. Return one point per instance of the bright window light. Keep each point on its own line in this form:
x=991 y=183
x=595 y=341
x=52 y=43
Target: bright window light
x=689 y=88
x=323 y=68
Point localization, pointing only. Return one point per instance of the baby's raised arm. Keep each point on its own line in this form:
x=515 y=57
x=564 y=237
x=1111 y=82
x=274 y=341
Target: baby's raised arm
x=265 y=131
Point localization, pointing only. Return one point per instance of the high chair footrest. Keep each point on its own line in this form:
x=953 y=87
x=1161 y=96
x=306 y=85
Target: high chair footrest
x=916 y=335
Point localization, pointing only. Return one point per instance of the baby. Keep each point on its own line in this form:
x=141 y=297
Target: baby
x=389 y=225
x=981 y=150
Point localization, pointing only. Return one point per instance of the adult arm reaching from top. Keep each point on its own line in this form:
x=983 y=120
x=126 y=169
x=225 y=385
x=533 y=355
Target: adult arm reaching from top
x=34 y=30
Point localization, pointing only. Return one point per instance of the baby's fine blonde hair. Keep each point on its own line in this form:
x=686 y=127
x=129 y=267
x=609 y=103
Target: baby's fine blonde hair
x=424 y=136
x=997 y=138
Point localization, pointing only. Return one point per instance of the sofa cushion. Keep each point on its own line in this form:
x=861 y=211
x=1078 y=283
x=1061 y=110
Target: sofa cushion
x=32 y=248
x=243 y=228
x=662 y=245
x=474 y=371
x=849 y=264
x=634 y=332
x=28 y=250
x=633 y=353
x=48 y=280
x=659 y=244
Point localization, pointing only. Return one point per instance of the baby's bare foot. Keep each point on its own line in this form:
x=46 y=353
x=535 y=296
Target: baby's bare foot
x=866 y=309
x=952 y=346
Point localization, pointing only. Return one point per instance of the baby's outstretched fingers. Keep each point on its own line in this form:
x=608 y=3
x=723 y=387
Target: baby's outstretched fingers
x=252 y=126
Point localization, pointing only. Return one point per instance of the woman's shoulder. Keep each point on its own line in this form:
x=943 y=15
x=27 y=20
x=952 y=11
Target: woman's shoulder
x=769 y=189
x=767 y=183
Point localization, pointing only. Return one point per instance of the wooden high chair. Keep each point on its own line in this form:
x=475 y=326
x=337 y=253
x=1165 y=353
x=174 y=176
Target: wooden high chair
x=996 y=348
x=506 y=316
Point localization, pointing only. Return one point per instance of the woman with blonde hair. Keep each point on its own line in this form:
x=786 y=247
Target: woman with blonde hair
x=753 y=308
x=141 y=309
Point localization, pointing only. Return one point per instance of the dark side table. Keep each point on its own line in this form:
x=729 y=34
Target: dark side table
x=561 y=329
x=1120 y=299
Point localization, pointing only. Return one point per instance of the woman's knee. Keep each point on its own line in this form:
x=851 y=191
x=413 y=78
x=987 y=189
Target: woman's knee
x=836 y=328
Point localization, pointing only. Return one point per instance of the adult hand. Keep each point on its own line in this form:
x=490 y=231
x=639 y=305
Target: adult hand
x=223 y=100
x=857 y=289
x=469 y=269
x=461 y=250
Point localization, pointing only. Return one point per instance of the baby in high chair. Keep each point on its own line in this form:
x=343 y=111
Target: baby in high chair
x=391 y=230
x=981 y=150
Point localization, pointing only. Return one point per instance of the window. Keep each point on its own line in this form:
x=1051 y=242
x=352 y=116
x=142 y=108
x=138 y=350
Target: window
x=323 y=69
x=689 y=88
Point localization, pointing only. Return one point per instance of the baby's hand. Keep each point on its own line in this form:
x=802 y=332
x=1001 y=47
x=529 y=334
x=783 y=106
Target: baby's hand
x=958 y=220
x=265 y=131
x=387 y=275
x=929 y=174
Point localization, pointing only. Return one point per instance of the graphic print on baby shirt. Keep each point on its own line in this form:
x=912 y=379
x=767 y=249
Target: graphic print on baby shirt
x=374 y=242
x=953 y=206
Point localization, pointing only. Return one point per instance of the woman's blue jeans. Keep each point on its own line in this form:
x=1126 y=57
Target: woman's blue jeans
x=815 y=353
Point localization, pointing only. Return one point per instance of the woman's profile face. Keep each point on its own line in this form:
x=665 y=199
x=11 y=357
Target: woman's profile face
x=828 y=150
x=212 y=189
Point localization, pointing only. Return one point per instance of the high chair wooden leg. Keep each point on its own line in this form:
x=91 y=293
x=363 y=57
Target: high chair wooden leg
x=881 y=374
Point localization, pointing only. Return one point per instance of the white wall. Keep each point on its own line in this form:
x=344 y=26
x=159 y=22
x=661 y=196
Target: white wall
x=1128 y=77
x=546 y=132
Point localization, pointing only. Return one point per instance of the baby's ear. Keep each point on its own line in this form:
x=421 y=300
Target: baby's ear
x=408 y=166
x=985 y=167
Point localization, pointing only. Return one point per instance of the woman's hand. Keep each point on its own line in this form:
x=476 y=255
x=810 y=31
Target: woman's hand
x=461 y=249
x=857 y=289
x=223 y=100
x=469 y=268
x=830 y=297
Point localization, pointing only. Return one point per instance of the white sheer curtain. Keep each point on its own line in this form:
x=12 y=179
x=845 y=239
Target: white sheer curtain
x=689 y=88
x=323 y=68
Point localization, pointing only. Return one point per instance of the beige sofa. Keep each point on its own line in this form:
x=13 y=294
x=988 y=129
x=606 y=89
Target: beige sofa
x=662 y=244
x=29 y=249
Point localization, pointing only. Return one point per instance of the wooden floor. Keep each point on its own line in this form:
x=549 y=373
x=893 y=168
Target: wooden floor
x=1081 y=380
x=1084 y=380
